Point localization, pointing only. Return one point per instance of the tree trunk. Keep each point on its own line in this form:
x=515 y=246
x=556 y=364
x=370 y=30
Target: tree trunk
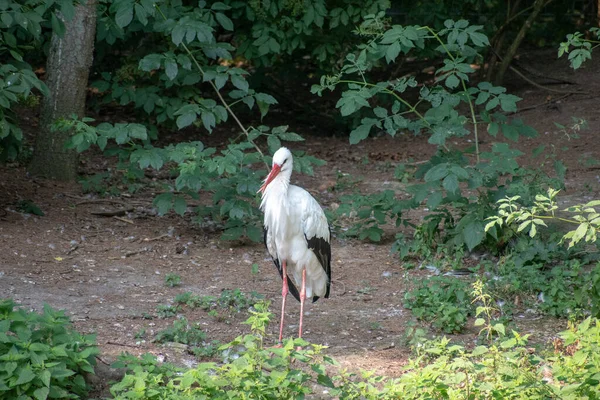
x=512 y=50
x=69 y=61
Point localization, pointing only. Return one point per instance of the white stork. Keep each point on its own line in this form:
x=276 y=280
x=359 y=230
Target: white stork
x=297 y=235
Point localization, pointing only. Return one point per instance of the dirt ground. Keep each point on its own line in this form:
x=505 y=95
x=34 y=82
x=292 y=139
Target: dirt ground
x=108 y=273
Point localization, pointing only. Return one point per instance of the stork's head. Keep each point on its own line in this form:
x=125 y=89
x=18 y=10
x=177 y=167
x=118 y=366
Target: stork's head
x=282 y=164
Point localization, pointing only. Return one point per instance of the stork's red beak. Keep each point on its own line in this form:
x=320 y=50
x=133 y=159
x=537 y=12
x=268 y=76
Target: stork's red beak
x=274 y=172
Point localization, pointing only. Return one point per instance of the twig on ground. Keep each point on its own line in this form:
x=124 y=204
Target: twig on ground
x=123 y=219
x=113 y=213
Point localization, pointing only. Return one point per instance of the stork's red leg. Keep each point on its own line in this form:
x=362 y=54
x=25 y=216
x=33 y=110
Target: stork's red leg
x=302 y=298
x=284 y=292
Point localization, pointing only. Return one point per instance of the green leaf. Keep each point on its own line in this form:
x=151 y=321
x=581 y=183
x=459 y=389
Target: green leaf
x=361 y=132
x=208 y=120
x=437 y=173
x=45 y=376
x=25 y=375
x=473 y=234
x=163 y=202
x=452 y=81
x=240 y=83
x=124 y=14
x=274 y=143
x=180 y=205
x=151 y=62
x=392 y=52
x=171 y=69
x=290 y=137
x=224 y=21
x=41 y=393
x=219 y=6
x=500 y=329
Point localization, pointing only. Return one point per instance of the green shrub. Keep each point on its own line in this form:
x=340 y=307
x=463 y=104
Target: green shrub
x=182 y=332
x=41 y=356
x=444 y=301
x=172 y=280
x=505 y=368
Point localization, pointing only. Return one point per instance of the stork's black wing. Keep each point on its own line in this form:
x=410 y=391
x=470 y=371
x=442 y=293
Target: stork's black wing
x=272 y=249
x=322 y=249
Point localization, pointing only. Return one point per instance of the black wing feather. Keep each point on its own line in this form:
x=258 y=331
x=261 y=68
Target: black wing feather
x=322 y=249
x=291 y=286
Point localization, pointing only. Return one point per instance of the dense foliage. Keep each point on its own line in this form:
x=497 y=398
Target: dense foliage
x=41 y=356
x=505 y=367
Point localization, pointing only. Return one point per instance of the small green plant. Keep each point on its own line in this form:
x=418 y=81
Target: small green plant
x=141 y=334
x=237 y=300
x=485 y=312
x=375 y=326
x=365 y=289
x=41 y=356
x=207 y=350
x=579 y=47
x=250 y=370
x=345 y=181
x=507 y=367
x=528 y=220
x=182 y=332
x=443 y=301
x=195 y=301
x=29 y=207
x=172 y=280
x=167 y=310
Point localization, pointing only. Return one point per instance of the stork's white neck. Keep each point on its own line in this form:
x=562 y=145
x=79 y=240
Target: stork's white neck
x=276 y=192
x=274 y=202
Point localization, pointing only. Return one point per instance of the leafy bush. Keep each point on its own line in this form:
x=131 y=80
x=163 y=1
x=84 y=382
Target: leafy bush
x=444 y=301
x=172 y=280
x=41 y=356
x=250 y=370
x=182 y=332
x=459 y=186
x=507 y=367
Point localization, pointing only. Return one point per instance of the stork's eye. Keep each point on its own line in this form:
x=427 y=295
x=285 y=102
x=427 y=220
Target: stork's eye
x=284 y=161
